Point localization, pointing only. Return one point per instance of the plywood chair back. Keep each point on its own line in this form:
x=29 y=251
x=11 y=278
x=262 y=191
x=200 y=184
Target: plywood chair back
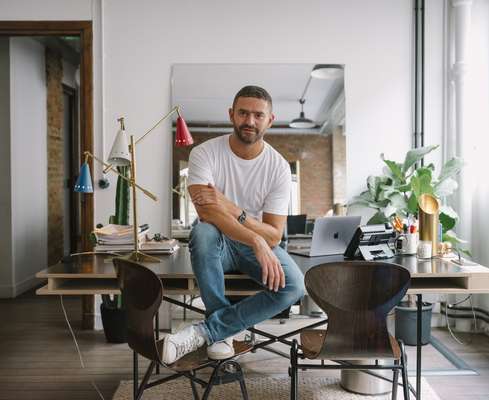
x=356 y=296
x=142 y=293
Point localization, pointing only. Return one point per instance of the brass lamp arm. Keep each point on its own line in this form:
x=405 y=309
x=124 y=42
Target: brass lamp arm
x=109 y=167
x=176 y=108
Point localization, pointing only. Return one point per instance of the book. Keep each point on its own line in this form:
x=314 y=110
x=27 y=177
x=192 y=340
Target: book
x=119 y=234
x=162 y=247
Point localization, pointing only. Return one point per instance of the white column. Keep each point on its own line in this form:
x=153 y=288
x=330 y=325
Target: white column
x=459 y=69
x=463 y=200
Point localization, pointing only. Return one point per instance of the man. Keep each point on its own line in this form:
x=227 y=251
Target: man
x=240 y=187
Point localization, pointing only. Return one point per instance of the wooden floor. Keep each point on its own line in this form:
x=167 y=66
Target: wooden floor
x=38 y=359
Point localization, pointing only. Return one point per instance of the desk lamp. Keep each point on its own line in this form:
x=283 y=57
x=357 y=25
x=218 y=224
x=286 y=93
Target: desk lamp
x=124 y=154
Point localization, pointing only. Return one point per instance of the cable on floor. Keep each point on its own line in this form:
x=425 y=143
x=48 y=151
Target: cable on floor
x=77 y=347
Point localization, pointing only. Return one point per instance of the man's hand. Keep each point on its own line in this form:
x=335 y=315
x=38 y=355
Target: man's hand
x=272 y=272
x=210 y=195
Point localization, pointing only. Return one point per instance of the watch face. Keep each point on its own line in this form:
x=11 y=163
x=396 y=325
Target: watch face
x=242 y=217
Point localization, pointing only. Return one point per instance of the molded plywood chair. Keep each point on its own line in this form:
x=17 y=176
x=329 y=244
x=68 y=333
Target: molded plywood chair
x=142 y=293
x=357 y=297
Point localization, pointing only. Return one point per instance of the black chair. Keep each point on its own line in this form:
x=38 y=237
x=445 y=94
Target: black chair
x=356 y=296
x=142 y=293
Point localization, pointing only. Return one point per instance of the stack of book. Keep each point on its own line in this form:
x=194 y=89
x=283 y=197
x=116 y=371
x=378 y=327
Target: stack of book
x=120 y=238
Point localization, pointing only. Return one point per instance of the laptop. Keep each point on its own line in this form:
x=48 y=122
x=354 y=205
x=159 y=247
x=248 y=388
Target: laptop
x=330 y=236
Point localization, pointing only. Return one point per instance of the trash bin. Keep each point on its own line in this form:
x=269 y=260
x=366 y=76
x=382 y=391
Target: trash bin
x=407 y=326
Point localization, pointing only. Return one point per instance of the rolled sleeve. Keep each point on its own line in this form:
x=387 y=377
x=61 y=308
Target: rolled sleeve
x=277 y=200
x=199 y=168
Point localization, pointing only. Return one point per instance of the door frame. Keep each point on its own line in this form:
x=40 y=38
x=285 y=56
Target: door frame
x=82 y=29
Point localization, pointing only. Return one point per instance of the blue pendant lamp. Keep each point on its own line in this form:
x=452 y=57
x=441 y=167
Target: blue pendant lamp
x=84 y=182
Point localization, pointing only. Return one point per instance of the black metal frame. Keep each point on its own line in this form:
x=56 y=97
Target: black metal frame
x=399 y=365
x=224 y=371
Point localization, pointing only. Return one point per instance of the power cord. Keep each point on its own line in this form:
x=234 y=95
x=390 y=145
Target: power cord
x=447 y=306
x=77 y=347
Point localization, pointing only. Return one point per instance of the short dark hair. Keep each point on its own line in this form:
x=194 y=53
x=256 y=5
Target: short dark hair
x=253 y=91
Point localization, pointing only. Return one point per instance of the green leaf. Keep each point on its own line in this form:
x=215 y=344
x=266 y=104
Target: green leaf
x=395 y=168
x=451 y=236
x=423 y=171
x=447 y=222
x=449 y=211
x=445 y=187
x=398 y=201
x=415 y=155
x=412 y=204
x=386 y=191
x=465 y=251
x=421 y=184
x=377 y=218
x=372 y=185
x=405 y=188
x=451 y=168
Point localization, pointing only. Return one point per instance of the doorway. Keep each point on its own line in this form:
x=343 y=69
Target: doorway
x=80 y=218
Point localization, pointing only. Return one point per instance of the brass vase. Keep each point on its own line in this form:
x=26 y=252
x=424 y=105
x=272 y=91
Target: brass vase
x=428 y=220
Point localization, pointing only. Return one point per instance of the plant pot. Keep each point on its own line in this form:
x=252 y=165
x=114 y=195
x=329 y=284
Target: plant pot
x=114 y=322
x=406 y=323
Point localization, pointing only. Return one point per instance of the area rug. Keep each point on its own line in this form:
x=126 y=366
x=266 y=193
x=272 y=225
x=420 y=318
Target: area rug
x=262 y=388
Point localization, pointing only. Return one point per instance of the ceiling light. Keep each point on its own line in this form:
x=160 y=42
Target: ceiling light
x=302 y=122
x=327 y=71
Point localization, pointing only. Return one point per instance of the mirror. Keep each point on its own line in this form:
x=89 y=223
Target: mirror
x=316 y=151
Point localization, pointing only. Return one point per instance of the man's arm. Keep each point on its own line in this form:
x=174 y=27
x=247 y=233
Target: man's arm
x=271 y=229
x=227 y=223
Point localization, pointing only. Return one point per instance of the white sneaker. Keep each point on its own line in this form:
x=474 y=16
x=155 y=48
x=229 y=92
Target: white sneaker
x=181 y=343
x=221 y=350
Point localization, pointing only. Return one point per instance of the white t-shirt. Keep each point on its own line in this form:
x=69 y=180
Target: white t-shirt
x=259 y=185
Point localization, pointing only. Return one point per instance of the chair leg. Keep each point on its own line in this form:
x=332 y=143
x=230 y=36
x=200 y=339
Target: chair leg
x=294 y=395
x=395 y=381
x=195 y=394
x=405 y=380
x=209 y=386
x=238 y=375
x=135 y=374
x=145 y=380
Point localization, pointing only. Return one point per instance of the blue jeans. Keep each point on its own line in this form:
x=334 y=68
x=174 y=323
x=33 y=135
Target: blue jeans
x=214 y=254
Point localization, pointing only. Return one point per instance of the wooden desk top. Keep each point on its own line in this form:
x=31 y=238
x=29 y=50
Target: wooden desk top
x=95 y=274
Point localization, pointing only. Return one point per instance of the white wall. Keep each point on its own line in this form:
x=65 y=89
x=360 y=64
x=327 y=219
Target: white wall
x=141 y=41
x=5 y=182
x=372 y=38
x=29 y=160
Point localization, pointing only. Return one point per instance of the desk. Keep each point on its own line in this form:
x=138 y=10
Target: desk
x=95 y=274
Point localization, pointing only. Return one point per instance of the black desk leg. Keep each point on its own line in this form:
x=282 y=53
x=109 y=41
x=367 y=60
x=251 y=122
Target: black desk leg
x=157 y=322
x=135 y=374
x=419 y=334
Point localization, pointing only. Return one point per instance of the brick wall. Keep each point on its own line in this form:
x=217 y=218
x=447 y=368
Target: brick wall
x=54 y=75
x=314 y=152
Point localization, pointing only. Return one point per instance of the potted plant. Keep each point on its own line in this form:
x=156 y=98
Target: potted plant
x=395 y=193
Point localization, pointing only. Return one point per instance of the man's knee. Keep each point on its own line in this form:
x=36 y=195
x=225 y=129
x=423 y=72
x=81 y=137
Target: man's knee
x=204 y=236
x=294 y=288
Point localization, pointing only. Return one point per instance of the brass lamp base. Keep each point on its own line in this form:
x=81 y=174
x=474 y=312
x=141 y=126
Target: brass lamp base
x=139 y=256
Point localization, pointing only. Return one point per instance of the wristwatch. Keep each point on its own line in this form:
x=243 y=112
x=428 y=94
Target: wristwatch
x=242 y=217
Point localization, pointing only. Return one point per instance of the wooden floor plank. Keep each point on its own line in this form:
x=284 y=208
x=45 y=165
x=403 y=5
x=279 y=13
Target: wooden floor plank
x=38 y=359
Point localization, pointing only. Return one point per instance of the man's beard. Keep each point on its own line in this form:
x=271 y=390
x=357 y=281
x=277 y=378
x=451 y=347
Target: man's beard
x=245 y=137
